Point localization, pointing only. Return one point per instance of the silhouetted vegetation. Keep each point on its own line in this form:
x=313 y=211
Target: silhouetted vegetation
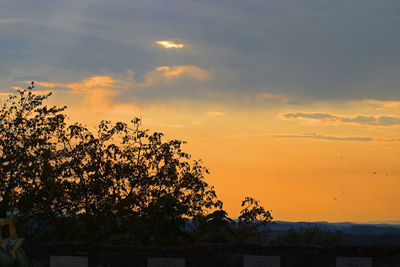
x=313 y=235
x=122 y=183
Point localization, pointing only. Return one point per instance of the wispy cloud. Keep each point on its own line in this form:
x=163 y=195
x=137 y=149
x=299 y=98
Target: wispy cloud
x=383 y=120
x=326 y=137
x=88 y=85
x=98 y=93
x=312 y=136
x=170 y=44
x=159 y=84
x=48 y=84
x=159 y=76
x=172 y=72
x=383 y=104
x=317 y=116
x=359 y=119
x=388 y=120
x=93 y=84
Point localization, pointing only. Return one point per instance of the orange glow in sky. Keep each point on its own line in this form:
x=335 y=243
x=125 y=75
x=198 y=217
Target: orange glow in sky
x=311 y=166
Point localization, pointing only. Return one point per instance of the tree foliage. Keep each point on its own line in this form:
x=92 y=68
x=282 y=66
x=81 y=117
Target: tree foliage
x=253 y=217
x=121 y=182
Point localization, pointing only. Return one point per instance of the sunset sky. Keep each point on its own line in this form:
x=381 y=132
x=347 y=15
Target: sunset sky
x=293 y=102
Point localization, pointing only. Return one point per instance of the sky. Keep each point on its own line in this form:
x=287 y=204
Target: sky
x=293 y=102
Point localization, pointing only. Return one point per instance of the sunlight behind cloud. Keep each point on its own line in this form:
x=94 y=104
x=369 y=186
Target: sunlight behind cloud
x=93 y=98
x=170 y=44
x=95 y=83
x=98 y=96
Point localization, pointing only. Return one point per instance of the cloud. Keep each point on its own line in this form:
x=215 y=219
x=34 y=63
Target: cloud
x=191 y=71
x=359 y=119
x=388 y=120
x=318 y=116
x=170 y=44
x=93 y=84
x=215 y=113
x=47 y=84
x=327 y=137
x=171 y=80
x=98 y=92
x=383 y=104
x=88 y=85
x=311 y=136
x=161 y=83
x=301 y=48
x=383 y=120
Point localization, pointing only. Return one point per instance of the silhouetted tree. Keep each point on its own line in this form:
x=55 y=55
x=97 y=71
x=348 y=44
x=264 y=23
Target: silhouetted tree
x=85 y=185
x=217 y=227
x=28 y=156
x=121 y=183
x=252 y=217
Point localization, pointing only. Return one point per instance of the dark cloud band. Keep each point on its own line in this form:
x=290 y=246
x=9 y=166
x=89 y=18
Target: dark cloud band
x=359 y=119
x=326 y=137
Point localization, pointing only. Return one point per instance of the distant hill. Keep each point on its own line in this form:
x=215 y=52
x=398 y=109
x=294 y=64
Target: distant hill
x=353 y=233
x=396 y=223
x=345 y=227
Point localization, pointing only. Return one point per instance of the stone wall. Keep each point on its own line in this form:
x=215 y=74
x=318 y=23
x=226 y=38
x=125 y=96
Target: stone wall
x=208 y=256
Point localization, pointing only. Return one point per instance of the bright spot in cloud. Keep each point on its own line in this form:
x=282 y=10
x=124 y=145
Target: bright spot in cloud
x=169 y=44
